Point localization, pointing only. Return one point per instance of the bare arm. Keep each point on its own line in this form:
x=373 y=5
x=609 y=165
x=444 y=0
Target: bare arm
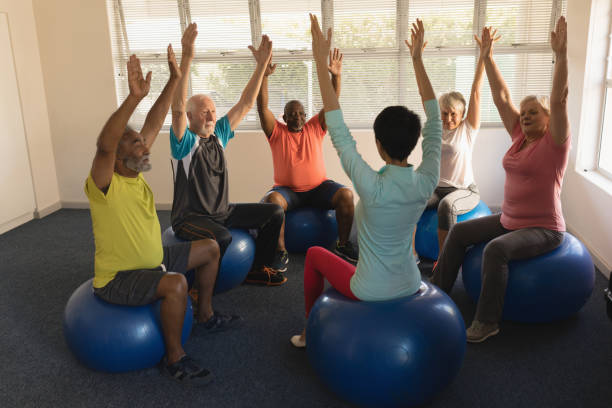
x=320 y=51
x=104 y=161
x=335 y=69
x=416 y=46
x=499 y=90
x=266 y=117
x=155 y=118
x=247 y=99
x=179 y=101
x=559 y=121
x=473 y=112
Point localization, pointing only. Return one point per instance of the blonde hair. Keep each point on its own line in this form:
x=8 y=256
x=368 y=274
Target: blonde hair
x=542 y=100
x=453 y=100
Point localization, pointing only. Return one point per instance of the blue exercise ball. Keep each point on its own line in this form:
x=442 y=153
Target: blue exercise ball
x=235 y=265
x=114 y=338
x=545 y=288
x=307 y=227
x=399 y=352
x=426 y=238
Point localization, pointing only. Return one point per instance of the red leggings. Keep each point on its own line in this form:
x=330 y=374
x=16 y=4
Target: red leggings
x=319 y=264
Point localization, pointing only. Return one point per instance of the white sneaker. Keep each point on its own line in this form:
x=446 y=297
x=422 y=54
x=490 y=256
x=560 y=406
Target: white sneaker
x=297 y=341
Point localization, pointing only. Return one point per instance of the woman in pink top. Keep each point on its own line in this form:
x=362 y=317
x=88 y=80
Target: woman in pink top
x=531 y=222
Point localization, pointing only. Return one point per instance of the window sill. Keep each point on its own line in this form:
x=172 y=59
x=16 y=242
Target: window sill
x=598 y=179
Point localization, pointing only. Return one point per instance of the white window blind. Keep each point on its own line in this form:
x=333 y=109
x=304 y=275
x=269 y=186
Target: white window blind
x=377 y=68
x=605 y=149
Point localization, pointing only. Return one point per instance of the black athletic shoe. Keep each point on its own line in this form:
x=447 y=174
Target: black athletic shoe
x=186 y=371
x=218 y=322
x=346 y=251
x=266 y=276
x=280 y=261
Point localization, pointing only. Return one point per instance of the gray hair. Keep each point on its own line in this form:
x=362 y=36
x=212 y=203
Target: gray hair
x=542 y=100
x=452 y=100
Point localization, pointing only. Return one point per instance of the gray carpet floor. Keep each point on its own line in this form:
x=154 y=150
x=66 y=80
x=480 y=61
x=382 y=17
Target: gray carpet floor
x=564 y=364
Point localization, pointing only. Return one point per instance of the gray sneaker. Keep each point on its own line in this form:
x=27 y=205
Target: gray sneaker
x=479 y=331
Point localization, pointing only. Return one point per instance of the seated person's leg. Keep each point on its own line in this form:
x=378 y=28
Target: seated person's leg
x=459 y=238
x=198 y=227
x=320 y=264
x=518 y=244
x=268 y=219
x=330 y=194
x=457 y=202
x=286 y=199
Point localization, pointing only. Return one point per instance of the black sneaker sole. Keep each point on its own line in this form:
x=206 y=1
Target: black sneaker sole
x=345 y=257
x=265 y=282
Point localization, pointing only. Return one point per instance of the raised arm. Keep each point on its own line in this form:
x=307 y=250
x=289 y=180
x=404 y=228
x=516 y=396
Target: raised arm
x=266 y=117
x=335 y=69
x=262 y=55
x=432 y=131
x=499 y=90
x=179 y=100
x=473 y=112
x=416 y=46
x=157 y=114
x=104 y=161
x=559 y=121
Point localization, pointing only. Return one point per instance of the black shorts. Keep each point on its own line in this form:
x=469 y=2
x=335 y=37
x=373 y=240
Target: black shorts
x=138 y=287
x=319 y=197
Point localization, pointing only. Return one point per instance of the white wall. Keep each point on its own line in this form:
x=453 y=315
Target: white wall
x=587 y=200
x=81 y=96
x=33 y=103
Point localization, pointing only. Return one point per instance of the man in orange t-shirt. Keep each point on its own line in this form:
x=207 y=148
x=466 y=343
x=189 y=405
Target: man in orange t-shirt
x=299 y=169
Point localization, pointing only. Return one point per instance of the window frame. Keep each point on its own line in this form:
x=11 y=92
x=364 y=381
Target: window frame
x=401 y=52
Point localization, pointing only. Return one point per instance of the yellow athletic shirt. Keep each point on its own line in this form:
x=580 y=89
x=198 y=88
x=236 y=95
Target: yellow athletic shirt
x=125 y=227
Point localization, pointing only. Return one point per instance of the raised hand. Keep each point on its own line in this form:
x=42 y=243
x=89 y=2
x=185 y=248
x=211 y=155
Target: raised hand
x=138 y=84
x=335 y=62
x=270 y=68
x=320 y=45
x=558 y=38
x=188 y=40
x=263 y=54
x=486 y=40
x=175 y=71
x=417 y=41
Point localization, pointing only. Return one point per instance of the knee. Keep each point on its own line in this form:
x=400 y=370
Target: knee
x=494 y=250
x=176 y=285
x=344 y=198
x=208 y=250
x=276 y=198
x=445 y=215
x=278 y=213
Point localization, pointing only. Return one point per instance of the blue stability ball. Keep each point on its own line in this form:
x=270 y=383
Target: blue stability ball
x=426 y=238
x=236 y=262
x=546 y=288
x=115 y=338
x=399 y=352
x=308 y=227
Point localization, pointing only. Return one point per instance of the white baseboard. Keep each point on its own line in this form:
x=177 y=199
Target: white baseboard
x=48 y=210
x=15 y=222
x=598 y=259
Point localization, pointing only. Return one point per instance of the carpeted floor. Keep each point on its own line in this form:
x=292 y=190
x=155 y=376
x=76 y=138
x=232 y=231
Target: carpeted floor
x=566 y=364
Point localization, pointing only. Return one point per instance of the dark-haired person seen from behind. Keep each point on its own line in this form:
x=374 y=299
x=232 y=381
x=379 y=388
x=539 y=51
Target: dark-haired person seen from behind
x=131 y=266
x=391 y=199
x=531 y=222
x=201 y=208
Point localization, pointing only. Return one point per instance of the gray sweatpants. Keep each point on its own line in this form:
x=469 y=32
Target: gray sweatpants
x=505 y=245
x=451 y=202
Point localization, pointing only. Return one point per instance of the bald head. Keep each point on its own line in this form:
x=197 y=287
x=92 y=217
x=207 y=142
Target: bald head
x=202 y=115
x=294 y=116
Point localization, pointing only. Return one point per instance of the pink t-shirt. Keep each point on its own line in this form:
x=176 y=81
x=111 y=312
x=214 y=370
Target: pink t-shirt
x=532 y=193
x=298 y=157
